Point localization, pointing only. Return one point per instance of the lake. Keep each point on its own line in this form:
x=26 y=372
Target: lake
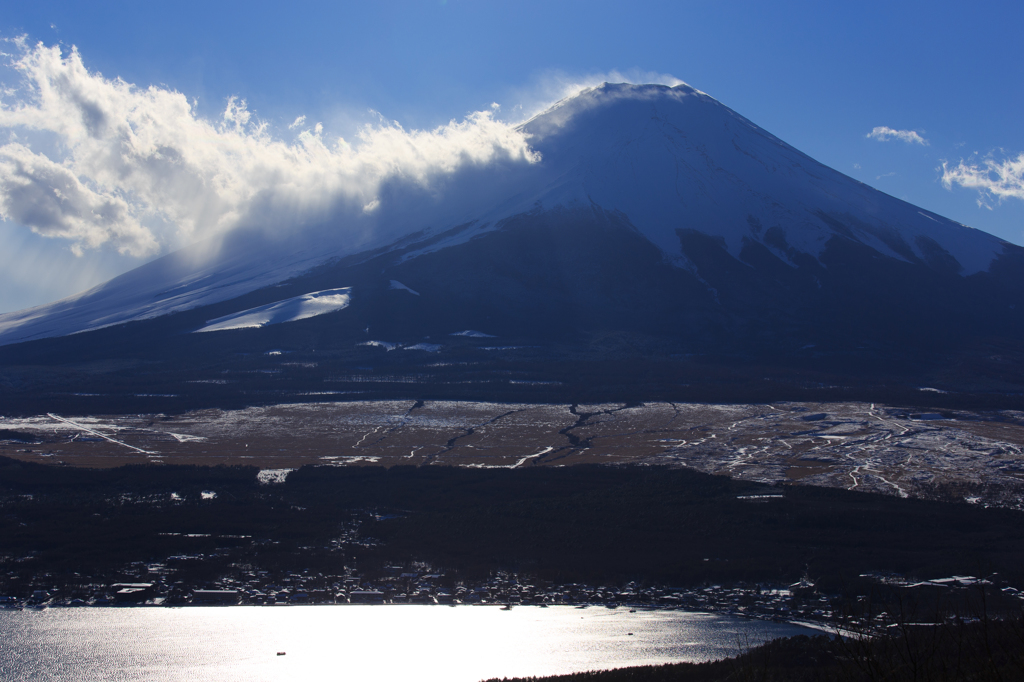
x=354 y=642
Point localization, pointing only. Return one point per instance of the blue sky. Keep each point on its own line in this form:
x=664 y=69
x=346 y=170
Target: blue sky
x=821 y=76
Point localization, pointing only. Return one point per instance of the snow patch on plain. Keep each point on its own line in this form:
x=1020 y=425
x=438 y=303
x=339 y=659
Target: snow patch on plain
x=288 y=310
x=429 y=347
x=395 y=284
x=474 y=334
x=272 y=476
x=386 y=345
x=186 y=437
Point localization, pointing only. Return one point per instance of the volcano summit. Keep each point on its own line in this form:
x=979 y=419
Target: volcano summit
x=655 y=244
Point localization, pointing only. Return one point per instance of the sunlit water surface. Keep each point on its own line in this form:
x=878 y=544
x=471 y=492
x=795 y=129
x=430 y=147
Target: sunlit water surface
x=378 y=643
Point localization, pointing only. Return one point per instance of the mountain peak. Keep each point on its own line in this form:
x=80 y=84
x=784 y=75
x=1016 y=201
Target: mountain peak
x=674 y=158
x=601 y=96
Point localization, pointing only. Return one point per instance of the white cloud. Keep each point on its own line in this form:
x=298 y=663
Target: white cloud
x=297 y=122
x=46 y=195
x=884 y=134
x=98 y=161
x=993 y=179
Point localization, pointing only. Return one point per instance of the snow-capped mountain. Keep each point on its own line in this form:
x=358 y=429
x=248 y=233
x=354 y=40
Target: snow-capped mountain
x=667 y=159
x=656 y=221
x=675 y=158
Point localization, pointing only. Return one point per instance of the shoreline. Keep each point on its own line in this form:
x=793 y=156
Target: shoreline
x=819 y=626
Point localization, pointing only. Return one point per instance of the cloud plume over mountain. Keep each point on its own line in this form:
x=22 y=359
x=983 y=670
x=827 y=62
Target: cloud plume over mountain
x=99 y=161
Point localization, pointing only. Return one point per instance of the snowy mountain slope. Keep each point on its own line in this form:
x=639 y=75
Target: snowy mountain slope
x=576 y=274
x=677 y=167
x=288 y=310
x=178 y=281
x=675 y=158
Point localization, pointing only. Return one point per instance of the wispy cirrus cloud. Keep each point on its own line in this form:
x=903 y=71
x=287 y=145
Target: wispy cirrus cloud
x=99 y=161
x=884 y=134
x=992 y=178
